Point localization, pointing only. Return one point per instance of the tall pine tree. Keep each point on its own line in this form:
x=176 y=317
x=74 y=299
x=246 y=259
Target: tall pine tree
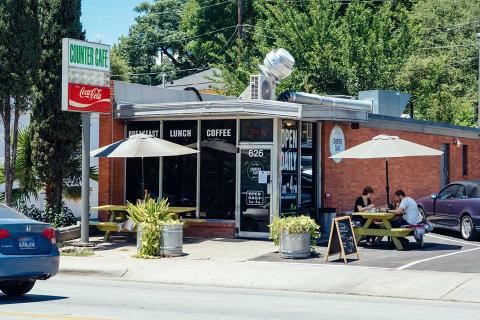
x=56 y=134
x=19 y=47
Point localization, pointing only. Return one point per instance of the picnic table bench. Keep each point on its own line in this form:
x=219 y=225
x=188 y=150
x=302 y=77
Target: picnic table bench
x=385 y=228
x=118 y=214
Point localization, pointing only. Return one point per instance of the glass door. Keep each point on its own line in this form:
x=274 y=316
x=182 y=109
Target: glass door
x=255 y=191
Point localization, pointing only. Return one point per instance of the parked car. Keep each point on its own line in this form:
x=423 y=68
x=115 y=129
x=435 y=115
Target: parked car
x=455 y=207
x=28 y=252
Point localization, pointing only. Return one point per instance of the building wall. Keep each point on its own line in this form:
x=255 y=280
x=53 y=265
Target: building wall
x=111 y=170
x=417 y=176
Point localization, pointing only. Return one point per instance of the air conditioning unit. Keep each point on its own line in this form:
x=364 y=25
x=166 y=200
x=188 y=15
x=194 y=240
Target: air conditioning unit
x=262 y=87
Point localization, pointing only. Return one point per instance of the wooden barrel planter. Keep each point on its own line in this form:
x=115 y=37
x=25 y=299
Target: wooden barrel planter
x=171 y=240
x=295 y=246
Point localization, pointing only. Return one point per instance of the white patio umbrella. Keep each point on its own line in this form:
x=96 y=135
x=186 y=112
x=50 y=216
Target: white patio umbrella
x=385 y=146
x=141 y=146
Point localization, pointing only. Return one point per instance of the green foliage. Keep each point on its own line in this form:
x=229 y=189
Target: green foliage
x=62 y=218
x=294 y=226
x=119 y=68
x=29 y=184
x=150 y=215
x=19 y=53
x=56 y=135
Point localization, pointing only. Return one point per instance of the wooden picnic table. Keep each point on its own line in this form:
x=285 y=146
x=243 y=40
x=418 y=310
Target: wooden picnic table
x=385 y=230
x=118 y=214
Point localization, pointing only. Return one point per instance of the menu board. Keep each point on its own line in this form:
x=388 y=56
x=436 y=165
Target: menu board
x=342 y=239
x=289 y=165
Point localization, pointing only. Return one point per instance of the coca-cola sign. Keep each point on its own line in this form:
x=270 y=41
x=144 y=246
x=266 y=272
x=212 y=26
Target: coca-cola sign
x=87 y=98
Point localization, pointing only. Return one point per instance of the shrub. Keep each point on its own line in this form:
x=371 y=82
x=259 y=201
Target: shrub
x=294 y=226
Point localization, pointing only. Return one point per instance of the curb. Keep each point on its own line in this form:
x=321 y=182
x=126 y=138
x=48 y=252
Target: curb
x=113 y=273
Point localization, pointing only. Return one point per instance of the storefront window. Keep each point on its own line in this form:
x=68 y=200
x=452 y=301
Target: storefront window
x=256 y=130
x=307 y=167
x=151 y=165
x=180 y=173
x=217 y=181
x=289 y=164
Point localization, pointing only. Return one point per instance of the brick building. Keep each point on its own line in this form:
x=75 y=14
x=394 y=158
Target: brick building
x=261 y=157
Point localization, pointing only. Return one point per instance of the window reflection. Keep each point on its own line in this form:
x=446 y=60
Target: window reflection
x=180 y=173
x=217 y=181
x=306 y=163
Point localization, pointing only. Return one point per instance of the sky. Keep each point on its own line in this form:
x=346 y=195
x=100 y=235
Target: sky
x=107 y=19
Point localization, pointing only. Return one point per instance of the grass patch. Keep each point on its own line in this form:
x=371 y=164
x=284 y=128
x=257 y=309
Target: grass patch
x=75 y=252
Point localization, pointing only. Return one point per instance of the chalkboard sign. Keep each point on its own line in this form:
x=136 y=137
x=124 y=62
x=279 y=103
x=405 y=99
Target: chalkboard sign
x=342 y=239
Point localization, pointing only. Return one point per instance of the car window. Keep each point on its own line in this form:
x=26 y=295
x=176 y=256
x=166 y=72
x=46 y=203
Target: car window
x=449 y=192
x=475 y=193
x=9 y=213
x=461 y=193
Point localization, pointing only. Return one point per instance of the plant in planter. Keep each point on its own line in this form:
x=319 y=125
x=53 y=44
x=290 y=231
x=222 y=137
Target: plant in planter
x=294 y=235
x=149 y=215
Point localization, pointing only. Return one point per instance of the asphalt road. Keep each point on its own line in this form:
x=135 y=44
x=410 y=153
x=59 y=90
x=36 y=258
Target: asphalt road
x=75 y=298
x=442 y=251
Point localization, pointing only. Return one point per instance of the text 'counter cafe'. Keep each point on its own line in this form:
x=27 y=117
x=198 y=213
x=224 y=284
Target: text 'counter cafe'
x=259 y=156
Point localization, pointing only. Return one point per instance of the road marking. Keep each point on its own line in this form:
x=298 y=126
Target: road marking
x=453 y=240
x=45 y=316
x=437 y=257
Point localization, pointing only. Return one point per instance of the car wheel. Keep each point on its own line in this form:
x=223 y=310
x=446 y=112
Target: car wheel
x=422 y=215
x=467 y=228
x=17 y=288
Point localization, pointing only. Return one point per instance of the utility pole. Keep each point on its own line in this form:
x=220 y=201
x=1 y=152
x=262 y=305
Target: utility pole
x=240 y=19
x=478 y=106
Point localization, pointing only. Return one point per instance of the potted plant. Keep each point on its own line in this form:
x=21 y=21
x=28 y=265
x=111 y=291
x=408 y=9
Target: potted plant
x=294 y=235
x=150 y=216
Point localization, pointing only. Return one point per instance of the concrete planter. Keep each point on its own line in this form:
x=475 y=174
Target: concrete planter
x=295 y=246
x=171 y=240
x=68 y=233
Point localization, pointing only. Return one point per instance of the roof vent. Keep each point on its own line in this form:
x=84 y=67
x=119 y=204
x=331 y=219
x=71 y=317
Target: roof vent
x=386 y=102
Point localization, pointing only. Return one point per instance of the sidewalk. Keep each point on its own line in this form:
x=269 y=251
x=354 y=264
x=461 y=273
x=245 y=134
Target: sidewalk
x=229 y=263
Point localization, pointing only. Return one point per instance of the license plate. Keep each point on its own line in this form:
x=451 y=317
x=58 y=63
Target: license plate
x=26 y=243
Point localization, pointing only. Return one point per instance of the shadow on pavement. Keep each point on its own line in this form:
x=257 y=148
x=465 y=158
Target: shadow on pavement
x=29 y=298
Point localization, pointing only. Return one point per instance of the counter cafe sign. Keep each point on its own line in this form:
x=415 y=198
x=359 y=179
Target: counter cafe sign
x=85 y=76
x=337 y=142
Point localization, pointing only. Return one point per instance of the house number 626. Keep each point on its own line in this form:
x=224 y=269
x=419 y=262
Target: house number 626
x=255 y=153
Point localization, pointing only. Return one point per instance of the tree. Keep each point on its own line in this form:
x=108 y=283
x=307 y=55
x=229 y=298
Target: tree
x=19 y=47
x=442 y=72
x=338 y=48
x=56 y=135
x=119 y=68
x=176 y=38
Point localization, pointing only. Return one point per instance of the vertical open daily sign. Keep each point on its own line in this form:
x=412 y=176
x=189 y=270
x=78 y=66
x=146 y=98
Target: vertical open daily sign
x=85 y=76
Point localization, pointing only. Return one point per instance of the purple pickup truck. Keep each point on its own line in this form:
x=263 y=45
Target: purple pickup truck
x=455 y=207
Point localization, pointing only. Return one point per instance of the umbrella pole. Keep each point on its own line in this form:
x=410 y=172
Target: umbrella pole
x=387 y=188
x=143 y=182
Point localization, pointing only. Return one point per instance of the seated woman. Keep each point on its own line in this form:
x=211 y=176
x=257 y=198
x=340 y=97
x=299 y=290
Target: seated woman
x=362 y=204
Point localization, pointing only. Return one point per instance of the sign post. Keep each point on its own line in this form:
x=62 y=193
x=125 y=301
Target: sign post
x=86 y=89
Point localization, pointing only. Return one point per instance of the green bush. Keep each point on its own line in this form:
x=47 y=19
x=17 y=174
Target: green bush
x=294 y=226
x=150 y=215
x=62 y=218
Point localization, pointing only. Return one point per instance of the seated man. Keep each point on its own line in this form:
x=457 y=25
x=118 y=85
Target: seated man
x=407 y=209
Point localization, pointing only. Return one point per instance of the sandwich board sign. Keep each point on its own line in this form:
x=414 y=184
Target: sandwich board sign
x=342 y=239
x=85 y=76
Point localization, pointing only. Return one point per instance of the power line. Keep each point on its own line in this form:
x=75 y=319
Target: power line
x=181 y=39
x=180 y=9
x=448 y=47
x=181 y=70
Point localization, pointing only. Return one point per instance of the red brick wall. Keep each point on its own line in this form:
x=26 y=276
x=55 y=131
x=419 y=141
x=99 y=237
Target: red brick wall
x=111 y=170
x=417 y=176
